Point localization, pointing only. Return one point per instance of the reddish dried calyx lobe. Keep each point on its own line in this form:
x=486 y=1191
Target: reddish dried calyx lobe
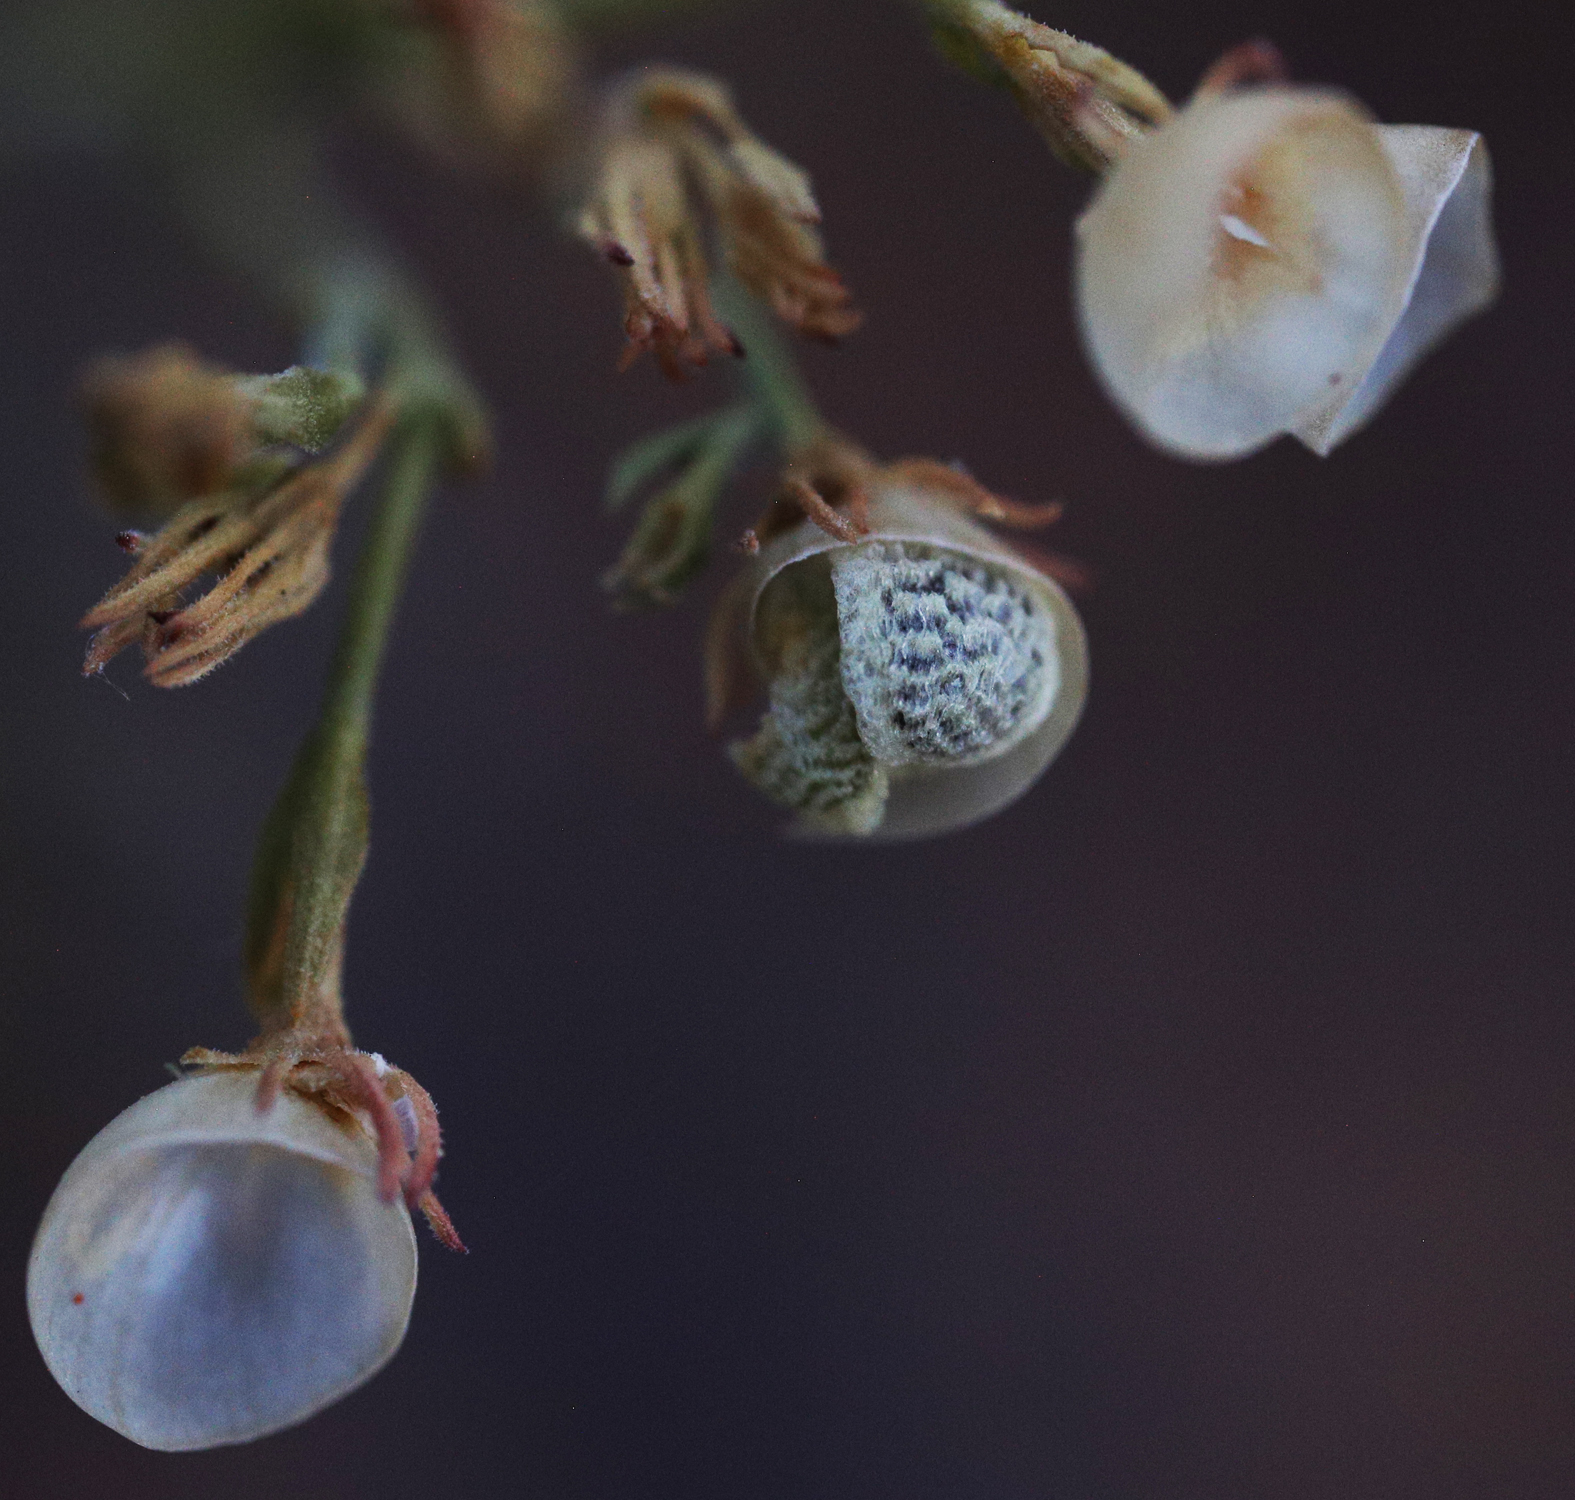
x=339 y=1077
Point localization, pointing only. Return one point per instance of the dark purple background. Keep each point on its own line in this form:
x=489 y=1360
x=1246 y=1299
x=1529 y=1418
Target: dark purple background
x=1198 y=1129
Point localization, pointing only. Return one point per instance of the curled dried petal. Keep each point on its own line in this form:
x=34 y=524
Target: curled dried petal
x=674 y=157
x=270 y=551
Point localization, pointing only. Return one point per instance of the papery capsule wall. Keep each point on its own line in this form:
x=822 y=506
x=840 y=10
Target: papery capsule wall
x=205 y=1274
x=1446 y=179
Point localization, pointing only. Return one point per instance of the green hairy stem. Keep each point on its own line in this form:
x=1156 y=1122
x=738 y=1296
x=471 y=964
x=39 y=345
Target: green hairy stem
x=313 y=845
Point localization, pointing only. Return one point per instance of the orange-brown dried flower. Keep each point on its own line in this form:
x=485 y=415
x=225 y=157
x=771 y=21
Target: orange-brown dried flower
x=674 y=152
x=267 y=549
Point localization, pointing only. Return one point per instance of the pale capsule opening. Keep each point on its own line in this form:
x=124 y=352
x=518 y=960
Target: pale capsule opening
x=206 y=1275
x=1240 y=264
x=1447 y=181
x=869 y=651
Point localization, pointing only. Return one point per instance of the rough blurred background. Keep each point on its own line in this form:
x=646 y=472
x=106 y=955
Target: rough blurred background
x=1198 y=1129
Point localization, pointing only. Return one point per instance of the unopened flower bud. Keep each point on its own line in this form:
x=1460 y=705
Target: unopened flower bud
x=301 y=407
x=1086 y=104
x=208 y=1272
x=1271 y=261
x=167 y=427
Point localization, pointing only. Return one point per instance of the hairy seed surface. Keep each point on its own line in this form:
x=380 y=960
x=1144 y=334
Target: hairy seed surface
x=942 y=657
x=807 y=754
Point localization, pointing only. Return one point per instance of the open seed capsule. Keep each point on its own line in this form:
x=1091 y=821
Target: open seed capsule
x=205 y=1274
x=919 y=679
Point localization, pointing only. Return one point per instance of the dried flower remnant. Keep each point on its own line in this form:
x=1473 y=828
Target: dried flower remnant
x=494 y=81
x=1274 y=262
x=673 y=151
x=920 y=673
x=267 y=542
x=164 y=426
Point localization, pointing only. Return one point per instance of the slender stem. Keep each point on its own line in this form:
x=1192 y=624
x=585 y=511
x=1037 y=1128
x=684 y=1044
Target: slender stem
x=379 y=577
x=313 y=845
x=770 y=371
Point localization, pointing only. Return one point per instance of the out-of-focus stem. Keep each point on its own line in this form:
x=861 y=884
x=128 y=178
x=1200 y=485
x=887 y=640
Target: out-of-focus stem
x=257 y=194
x=379 y=579
x=769 y=370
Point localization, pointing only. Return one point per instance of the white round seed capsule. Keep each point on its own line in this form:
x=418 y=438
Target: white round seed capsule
x=1270 y=261
x=205 y=1274
x=1241 y=264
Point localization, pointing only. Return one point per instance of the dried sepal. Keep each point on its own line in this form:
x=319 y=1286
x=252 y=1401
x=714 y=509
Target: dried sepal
x=1256 y=61
x=777 y=254
x=672 y=540
x=920 y=673
x=826 y=483
x=672 y=156
x=351 y=1085
x=268 y=546
x=1087 y=104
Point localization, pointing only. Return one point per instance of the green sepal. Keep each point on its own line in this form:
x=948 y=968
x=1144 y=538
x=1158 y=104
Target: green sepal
x=672 y=540
x=302 y=406
x=671 y=448
x=962 y=49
